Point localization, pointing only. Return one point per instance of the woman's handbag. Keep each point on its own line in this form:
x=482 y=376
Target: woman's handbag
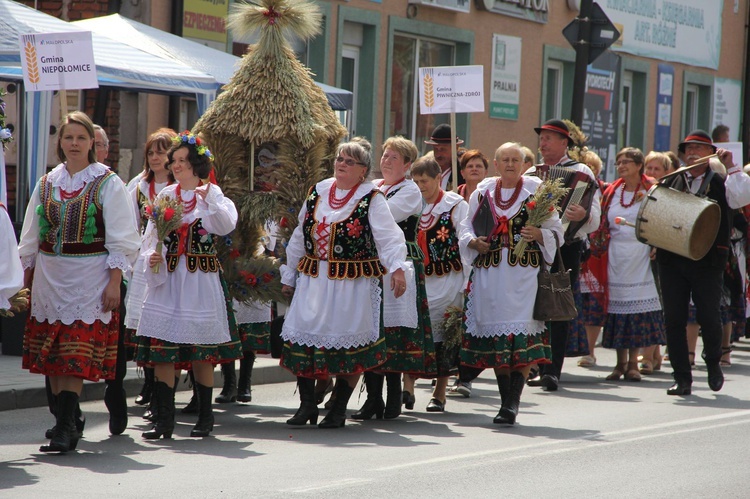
x=554 y=295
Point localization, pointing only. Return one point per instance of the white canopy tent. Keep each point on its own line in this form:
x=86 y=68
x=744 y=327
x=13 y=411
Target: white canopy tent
x=118 y=65
x=216 y=63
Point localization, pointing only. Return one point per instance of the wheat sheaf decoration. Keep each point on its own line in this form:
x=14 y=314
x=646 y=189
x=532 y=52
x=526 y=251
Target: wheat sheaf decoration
x=429 y=90
x=32 y=66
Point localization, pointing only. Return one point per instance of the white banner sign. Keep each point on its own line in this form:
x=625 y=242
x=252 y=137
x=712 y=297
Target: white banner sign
x=58 y=61
x=727 y=105
x=736 y=148
x=686 y=31
x=451 y=89
x=506 y=77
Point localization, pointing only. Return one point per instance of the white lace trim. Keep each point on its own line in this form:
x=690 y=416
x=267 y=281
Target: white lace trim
x=118 y=261
x=401 y=311
x=252 y=313
x=172 y=329
x=634 y=306
x=338 y=341
x=28 y=261
x=59 y=176
x=44 y=310
x=503 y=328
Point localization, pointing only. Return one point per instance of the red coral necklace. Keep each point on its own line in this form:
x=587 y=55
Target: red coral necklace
x=632 y=201
x=426 y=223
x=504 y=205
x=188 y=206
x=337 y=203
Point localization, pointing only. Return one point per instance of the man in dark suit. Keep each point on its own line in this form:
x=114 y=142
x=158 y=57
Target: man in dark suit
x=682 y=277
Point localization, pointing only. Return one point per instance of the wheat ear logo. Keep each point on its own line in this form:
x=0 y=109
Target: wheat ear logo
x=429 y=90
x=32 y=65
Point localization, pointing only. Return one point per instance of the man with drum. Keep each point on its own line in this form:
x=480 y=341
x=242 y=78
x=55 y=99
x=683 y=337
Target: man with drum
x=554 y=142
x=682 y=277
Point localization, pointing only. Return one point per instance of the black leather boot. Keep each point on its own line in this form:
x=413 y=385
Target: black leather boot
x=229 y=391
x=80 y=419
x=117 y=405
x=503 y=386
x=152 y=411
x=336 y=417
x=244 y=393
x=374 y=404
x=144 y=398
x=66 y=435
x=205 y=423
x=192 y=407
x=509 y=411
x=393 y=399
x=308 y=409
x=162 y=397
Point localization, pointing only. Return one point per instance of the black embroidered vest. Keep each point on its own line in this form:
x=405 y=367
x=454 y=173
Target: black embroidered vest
x=442 y=247
x=410 y=228
x=351 y=248
x=200 y=249
x=532 y=254
x=74 y=227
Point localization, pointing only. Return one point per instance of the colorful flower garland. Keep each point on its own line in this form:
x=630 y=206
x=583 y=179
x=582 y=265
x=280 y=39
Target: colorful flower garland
x=188 y=138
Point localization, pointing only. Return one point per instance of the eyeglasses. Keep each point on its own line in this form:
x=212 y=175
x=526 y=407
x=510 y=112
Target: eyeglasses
x=624 y=162
x=348 y=161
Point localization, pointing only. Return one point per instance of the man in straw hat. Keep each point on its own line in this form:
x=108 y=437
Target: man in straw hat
x=682 y=277
x=440 y=140
x=554 y=142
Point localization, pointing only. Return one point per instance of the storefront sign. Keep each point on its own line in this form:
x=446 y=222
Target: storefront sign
x=58 y=61
x=685 y=31
x=205 y=20
x=506 y=77
x=600 y=110
x=530 y=10
x=665 y=91
x=727 y=105
x=451 y=89
x=457 y=5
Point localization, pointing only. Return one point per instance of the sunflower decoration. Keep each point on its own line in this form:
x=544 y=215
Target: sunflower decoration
x=273 y=135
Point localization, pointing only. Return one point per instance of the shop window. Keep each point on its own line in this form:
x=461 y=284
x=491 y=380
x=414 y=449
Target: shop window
x=409 y=54
x=696 y=102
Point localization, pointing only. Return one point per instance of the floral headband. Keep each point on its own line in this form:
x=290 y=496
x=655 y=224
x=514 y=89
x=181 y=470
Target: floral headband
x=188 y=138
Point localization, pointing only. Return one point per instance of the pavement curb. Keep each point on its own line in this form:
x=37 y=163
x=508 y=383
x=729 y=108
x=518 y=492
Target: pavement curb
x=28 y=397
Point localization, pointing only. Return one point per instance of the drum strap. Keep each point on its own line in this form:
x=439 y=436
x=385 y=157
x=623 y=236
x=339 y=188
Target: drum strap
x=706 y=183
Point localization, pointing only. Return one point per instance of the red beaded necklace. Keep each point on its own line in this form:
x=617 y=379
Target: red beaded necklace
x=337 y=203
x=632 y=201
x=188 y=206
x=426 y=223
x=65 y=195
x=504 y=205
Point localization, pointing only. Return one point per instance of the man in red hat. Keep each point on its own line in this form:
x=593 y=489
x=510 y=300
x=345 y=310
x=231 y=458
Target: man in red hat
x=682 y=278
x=554 y=142
x=440 y=140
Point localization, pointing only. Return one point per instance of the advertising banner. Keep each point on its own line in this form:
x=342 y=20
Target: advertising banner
x=506 y=77
x=727 y=105
x=451 y=89
x=600 y=110
x=665 y=91
x=205 y=20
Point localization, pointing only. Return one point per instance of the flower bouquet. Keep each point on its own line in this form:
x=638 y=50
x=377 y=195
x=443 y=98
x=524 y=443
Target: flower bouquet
x=543 y=203
x=166 y=214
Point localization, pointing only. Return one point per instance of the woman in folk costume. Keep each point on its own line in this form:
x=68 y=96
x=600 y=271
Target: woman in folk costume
x=406 y=319
x=501 y=332
x=622 y=265
x=445 y=280
x=78 y=237
x=187 y=318
x=345 y=242
x=144 y=190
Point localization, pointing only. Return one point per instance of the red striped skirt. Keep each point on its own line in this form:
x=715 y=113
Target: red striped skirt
x=87 y=351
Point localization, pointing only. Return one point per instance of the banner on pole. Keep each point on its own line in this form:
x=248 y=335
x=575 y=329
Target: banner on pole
x=451 y=89
x=58 y=61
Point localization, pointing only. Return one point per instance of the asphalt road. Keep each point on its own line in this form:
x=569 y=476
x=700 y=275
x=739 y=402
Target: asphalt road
x=593 y=438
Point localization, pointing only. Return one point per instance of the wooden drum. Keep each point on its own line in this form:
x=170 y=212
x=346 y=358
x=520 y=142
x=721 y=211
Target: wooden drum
x=678 y=222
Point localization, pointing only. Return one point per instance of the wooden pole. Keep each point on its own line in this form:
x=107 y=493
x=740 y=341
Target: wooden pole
x=454 y=155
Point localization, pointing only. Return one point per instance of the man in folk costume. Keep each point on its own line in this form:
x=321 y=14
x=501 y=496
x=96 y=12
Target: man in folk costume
x=440 y=140
x=554 y=142
x=682 y=277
